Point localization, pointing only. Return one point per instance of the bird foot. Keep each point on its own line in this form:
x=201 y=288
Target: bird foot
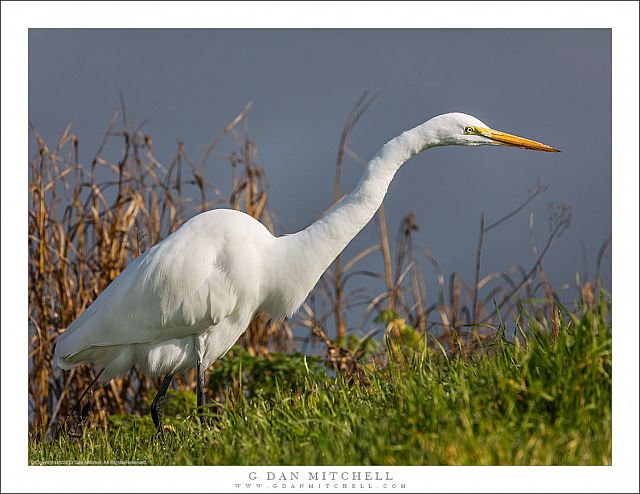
x=161 y=430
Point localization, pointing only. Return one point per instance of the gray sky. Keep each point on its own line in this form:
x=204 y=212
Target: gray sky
x=549 y=85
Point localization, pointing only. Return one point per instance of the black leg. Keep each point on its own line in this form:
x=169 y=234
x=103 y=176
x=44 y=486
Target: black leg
x=158 y=404
x=200 y=389
x=85 y=410
x=79 y=415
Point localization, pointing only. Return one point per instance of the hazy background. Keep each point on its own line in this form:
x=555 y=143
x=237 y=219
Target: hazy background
x=549 y=85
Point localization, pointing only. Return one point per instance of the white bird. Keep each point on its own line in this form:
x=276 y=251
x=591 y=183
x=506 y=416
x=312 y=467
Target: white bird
x=186 y=301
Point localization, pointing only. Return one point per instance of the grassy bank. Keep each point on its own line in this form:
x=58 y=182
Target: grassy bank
x=537 y=399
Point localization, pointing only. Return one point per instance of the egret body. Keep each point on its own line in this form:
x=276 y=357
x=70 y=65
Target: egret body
x=184 y=302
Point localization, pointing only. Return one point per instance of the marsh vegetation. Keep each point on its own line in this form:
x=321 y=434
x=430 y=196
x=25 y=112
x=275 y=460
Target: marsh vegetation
x=495 y=370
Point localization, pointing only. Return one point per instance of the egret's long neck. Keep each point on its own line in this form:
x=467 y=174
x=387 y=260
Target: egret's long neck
x=328 y=236
x=309 y=252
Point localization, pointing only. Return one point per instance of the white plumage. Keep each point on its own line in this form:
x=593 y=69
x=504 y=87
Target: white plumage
x=193 y=294
x=196 y=289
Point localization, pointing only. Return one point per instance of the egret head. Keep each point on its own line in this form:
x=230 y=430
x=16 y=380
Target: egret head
x=465 y=130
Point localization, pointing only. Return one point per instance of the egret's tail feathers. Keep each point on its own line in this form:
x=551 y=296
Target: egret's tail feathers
x=162 y=357
x=114 y=361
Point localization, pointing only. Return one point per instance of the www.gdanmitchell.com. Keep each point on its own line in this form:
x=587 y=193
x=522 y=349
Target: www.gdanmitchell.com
x=321 y=480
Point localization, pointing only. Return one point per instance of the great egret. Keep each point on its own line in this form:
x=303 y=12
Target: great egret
x=184 y=302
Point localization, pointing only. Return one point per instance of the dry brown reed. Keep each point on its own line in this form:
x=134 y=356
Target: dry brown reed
x=87 y=221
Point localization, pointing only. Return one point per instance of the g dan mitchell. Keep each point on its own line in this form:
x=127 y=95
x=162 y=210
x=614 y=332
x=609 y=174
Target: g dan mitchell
x=320 y=476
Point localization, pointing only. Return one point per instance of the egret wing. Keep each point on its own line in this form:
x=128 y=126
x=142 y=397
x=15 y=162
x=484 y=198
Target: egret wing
x=176 y=289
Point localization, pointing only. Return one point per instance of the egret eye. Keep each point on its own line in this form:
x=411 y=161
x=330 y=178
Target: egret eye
x=469 y=130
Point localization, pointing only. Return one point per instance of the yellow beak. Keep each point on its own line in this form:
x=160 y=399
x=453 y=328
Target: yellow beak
x=510 y=140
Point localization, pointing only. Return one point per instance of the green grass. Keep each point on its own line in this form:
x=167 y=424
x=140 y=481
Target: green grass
x=539 y=401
